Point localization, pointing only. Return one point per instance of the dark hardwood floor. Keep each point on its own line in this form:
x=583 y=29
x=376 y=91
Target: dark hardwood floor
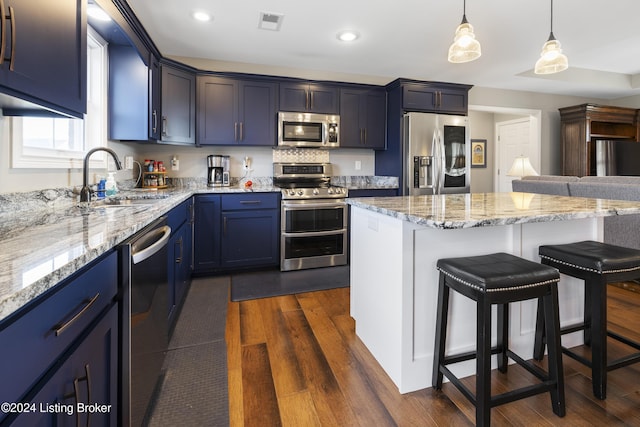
x=295 y=361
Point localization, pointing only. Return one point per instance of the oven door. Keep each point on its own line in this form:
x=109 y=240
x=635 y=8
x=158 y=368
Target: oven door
x=314 y=234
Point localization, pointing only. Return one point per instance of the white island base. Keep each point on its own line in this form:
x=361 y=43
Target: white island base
x=394 y=285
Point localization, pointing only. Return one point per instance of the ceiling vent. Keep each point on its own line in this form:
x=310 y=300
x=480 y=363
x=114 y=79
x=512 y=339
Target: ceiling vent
x=270 y=21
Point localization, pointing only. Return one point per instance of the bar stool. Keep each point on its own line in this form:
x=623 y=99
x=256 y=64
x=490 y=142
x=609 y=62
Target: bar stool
x=598 y=264
x=498 y=279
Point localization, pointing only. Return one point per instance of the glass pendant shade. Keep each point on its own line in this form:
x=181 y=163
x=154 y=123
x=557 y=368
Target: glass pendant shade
x=552 y=60
x=465 y=47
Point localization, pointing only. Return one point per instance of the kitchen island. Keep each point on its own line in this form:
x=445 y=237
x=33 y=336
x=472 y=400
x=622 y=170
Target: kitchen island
x=396 y=241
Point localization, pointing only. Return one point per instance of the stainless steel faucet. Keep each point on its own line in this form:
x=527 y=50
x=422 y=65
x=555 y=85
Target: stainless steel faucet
x=85 y=193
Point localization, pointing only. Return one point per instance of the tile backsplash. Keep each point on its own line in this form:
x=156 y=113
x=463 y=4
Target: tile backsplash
x=300 y=155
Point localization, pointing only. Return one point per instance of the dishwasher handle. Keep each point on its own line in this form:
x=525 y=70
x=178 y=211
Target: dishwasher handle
x=155 y=239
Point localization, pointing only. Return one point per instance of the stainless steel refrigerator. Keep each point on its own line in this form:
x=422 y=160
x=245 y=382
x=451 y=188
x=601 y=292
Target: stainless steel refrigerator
x=437 y=154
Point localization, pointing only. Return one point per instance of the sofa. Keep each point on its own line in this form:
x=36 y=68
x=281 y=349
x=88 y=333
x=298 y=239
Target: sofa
x=618 y=230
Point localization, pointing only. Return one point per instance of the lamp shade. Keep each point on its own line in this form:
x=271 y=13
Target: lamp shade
x=465 y=47
x=551 y=60
x=522 y=167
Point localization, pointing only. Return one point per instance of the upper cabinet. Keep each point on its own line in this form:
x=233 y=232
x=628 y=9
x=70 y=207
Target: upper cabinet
x=43 y=53
x=435 y=97
x=309 y=98
x=236 y=111
x=582 y=125
x=363 y=118
x=134 y=96
x=178 y=124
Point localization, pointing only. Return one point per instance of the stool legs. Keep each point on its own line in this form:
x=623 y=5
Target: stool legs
x=503 y=337
x=441 y=332
x=483 y=363
x=598 y=290
x=556 y=371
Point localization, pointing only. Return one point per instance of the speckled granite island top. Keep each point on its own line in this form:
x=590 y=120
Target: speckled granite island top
x=450 y=211
x=39 y=247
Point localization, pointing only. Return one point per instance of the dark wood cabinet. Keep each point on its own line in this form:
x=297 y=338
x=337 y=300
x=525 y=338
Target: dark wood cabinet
x=46 y=61
x=363 y=118
x=582 y=125
x=309 y=98
x=134 y=96
x=236 y=112
x=178 y=122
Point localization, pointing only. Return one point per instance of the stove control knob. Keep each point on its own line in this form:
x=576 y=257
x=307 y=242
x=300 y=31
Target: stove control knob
x=292 y=192
x=315 y=192
x=300 y=192
x=330 y=191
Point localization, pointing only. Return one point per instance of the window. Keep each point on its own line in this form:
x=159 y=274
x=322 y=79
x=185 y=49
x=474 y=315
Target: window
x=45 y=142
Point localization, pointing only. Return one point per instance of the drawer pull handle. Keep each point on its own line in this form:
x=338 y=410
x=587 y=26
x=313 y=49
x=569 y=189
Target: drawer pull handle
x=58 y=329
x=250 y=202
x=76 y=393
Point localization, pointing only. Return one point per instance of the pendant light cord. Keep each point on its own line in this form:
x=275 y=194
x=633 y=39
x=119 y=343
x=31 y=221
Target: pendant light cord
x=551 y=36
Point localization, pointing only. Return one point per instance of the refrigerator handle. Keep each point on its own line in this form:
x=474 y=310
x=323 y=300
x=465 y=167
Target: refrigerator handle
x=435 y=170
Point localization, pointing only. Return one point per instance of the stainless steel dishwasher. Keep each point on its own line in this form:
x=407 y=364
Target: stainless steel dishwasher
x=145 y=332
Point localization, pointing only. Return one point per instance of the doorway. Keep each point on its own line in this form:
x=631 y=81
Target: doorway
x=516 y=131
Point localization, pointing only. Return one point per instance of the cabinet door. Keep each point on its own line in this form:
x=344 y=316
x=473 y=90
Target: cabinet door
x=351 y=135
x=206 y=233
x=217 y=111
x=434 y=98
x=312 y=98
x=48 y=57
x=258 y=104
x=178 y=106
x=453 y=101
x=375 y=120
x=250 y=238
x=88 y=376
x=154 y=100
x=179 y=264
x=130 y=111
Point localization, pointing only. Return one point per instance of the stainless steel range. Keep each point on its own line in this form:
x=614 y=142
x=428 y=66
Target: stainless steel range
x=314 y=216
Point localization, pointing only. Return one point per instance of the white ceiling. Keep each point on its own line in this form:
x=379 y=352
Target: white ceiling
x=410 y=38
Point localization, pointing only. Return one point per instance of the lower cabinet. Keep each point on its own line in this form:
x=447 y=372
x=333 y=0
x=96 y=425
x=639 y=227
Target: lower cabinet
x=250 y=237
x=83 y=389
x=378 y=192
x=180 y=259
x=63 y=349
x=236 y=231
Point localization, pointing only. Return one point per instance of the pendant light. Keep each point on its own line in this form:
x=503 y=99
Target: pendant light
x=465 y=47
x=551 y=58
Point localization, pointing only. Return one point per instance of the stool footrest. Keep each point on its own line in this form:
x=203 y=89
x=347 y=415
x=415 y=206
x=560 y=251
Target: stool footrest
x=573 y=328
x=462 y=357
x=623 y=361
x=624 y=340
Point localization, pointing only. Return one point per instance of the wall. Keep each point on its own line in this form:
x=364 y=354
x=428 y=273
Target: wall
x=482 y=126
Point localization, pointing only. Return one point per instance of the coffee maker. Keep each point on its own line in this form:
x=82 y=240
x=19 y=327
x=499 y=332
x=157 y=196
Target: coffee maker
x=218 y=173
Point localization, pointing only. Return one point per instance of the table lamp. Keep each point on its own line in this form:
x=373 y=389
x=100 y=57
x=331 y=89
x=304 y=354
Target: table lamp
x=522 y=167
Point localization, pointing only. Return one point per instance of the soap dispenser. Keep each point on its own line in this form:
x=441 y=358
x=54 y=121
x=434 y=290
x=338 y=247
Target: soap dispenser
x=111 y=187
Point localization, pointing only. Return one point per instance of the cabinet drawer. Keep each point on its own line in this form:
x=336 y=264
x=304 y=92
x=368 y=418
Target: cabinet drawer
x=33 y=342
x=232 y=202
x=179 y=215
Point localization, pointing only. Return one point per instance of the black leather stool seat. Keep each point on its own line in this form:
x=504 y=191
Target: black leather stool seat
x=498 y=279
x=499 y=272
x=593 y=256
x=597 y=264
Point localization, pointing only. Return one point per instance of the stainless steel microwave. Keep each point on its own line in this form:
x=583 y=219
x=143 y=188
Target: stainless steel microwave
x=308 y=130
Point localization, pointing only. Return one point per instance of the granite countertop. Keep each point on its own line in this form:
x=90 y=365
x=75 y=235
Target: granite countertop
x=40 y=246
x=491 y=209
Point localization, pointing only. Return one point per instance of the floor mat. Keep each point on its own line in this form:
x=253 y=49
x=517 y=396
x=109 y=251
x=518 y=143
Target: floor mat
x=262 y=284
x=195 y=391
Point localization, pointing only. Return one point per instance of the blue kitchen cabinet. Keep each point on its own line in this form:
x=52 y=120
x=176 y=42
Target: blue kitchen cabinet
x=178 y=123
x=86 y=379
x=309 y=98
x=250 y=230
x=373 y=192
x=236 y=112
x=206 y=235
x=179 y=264
x=46 y=62
x=363 y=117
x=134 y=95
x=435 y=97
x=47 y=344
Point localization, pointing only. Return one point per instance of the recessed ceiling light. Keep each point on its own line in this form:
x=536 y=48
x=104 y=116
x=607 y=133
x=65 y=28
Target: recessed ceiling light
x=348 y=36
x=96 y=12
x=201 y=16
